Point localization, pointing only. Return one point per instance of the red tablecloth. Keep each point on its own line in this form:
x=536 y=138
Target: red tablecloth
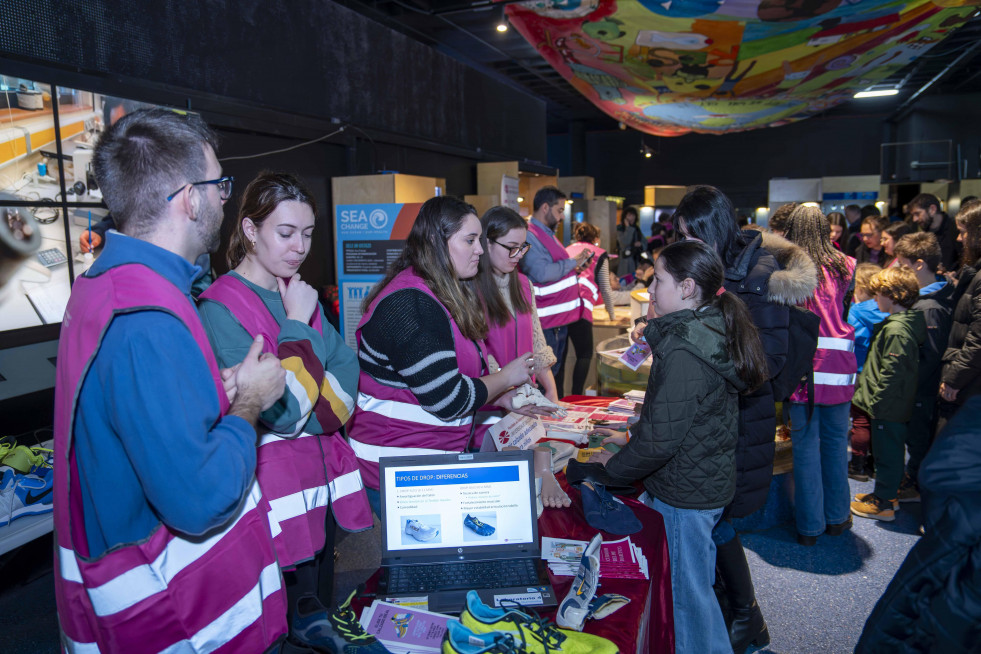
x=647 y=623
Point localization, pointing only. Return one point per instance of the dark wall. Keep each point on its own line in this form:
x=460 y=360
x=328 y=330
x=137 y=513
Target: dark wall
x=943 y=117
x=308 y=57
x=740 y=164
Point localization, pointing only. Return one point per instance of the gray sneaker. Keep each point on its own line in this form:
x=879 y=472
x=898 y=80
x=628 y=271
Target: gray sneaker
x=420 y=531
x=575 y=607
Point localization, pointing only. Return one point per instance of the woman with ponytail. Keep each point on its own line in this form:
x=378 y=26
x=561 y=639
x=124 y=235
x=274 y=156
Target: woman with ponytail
x=706 y=352
x=819 y=424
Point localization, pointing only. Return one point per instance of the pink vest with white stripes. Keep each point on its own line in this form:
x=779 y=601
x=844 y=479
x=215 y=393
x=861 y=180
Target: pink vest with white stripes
x=299 y=476
x=588 y=288
x=834 y=361
x=221 y=594
x=558 y=302
x=506 y=342
x=389 y=421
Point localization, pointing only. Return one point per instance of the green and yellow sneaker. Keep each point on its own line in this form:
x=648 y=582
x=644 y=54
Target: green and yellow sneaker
x=23 y=459
x=531 y=633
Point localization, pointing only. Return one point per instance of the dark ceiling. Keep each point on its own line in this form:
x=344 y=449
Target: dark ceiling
x=467 y=32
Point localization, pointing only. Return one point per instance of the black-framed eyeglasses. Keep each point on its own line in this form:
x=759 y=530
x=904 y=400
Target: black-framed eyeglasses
x=513 y=251
x=224 y=185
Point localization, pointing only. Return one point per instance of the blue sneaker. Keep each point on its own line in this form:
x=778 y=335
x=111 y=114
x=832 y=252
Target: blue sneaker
x=478 y=527
x=23 y=495
x=460 y=640
x=335 y=632
x=606 y=512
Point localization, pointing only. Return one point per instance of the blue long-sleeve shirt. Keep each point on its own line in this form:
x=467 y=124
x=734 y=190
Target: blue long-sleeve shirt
x=537 y=263
x=150 y=444
x=863 y=316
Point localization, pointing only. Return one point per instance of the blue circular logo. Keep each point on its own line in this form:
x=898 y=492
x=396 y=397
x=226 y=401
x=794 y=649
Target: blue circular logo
x=378 y=219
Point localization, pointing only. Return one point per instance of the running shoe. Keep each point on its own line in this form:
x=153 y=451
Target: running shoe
x=420 y=531
x=336 y=632
x=23 y=495
x=24 y=459
x=574 y=609
x=531 y=633
x=460 y=640
x=478 y=527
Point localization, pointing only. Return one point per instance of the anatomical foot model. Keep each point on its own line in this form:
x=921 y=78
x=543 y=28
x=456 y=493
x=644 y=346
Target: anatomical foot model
x=552 y=494
x=527 y=394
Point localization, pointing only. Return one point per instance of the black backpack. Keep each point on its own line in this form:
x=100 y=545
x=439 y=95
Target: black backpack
x=802 y=339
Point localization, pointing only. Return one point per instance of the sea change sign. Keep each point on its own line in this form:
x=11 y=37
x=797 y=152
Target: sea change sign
x=369 y=238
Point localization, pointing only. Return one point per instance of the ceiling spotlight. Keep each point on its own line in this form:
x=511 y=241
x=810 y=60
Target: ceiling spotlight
x=646 y=151
x=876 y=93
x=502 y=21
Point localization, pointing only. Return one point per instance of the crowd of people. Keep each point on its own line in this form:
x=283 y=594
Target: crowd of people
x=208 y=446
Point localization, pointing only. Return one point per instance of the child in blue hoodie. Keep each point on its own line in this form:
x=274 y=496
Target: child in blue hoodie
x=863 y=315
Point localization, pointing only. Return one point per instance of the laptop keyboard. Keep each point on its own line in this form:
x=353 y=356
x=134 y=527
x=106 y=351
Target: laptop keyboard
x=470 y=575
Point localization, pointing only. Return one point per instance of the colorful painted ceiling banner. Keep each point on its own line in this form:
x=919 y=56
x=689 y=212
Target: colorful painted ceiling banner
x=714 y=66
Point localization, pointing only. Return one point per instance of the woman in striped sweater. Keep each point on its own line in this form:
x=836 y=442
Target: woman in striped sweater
x=820 y=438
x=423 y=372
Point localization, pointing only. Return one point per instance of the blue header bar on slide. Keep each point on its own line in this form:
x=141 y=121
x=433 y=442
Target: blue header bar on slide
x=422 y=477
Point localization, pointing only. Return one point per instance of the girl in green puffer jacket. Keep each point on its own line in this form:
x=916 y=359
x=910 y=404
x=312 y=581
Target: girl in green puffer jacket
x=706 y=350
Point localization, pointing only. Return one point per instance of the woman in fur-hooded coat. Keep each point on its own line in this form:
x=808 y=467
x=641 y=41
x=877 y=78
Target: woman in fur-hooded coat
x=770 y=274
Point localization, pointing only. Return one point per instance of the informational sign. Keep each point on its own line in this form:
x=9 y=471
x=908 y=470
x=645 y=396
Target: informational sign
x=509 y=192
x=369 y=238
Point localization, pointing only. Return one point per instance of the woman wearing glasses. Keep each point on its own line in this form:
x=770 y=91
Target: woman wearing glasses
x=423 y=371
x=508 y=300
x=303 y=463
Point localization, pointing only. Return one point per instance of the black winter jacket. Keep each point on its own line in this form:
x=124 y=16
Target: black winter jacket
x=937 y=308
x=933 y=604
x=684 y=444
x=769 y=274
x=962 y=360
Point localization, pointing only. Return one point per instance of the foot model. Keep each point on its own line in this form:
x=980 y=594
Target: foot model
x=552 y=494
x=420 y=531
x=478 y=527
x=527 y=394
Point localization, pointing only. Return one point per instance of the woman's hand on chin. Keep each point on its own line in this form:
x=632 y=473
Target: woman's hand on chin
x=299 y=298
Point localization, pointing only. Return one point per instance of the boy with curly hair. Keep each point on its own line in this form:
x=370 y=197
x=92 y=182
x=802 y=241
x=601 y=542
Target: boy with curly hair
x=887 y=385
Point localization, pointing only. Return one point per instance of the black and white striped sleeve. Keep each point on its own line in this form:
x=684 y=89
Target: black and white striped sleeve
x=408 y=343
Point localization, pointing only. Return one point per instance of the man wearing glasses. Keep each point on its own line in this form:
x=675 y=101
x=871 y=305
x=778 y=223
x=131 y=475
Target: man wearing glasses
x=553 y=275
x=163 y=540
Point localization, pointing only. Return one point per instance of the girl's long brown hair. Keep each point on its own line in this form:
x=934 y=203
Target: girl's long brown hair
x=426 y=252
x=702 y=264
x=495 y=223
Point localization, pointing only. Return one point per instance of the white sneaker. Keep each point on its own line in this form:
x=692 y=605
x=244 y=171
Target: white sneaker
x=575 y=607
x=420 y=531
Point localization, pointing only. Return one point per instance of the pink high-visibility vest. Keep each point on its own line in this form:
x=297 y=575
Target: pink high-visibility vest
x=389 y=421
x=219 y=594
x=558 y=302
x=301 y=476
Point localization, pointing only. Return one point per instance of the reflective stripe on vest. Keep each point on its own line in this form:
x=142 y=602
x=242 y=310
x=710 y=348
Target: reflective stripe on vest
x=830 y=343
x=557 y=309
x=541 y=291
x=834 y=379
x=370 y=452
x=408 y=412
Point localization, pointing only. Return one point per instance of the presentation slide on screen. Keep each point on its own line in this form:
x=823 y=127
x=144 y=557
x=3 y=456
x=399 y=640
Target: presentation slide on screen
x=457 y=506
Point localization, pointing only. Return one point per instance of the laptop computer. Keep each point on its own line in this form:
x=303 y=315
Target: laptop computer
x=458 y=522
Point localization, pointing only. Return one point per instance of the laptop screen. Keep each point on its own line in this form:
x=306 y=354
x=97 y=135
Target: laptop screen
x=455 y=501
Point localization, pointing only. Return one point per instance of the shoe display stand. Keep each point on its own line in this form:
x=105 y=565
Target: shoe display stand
x=23 y=530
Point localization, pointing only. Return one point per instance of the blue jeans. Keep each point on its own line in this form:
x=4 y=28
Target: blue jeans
x=556 y=338
x=374 y=500
x=698 y=623
x=821 y=495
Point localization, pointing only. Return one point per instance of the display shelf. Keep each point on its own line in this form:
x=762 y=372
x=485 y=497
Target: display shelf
x=23 y=530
